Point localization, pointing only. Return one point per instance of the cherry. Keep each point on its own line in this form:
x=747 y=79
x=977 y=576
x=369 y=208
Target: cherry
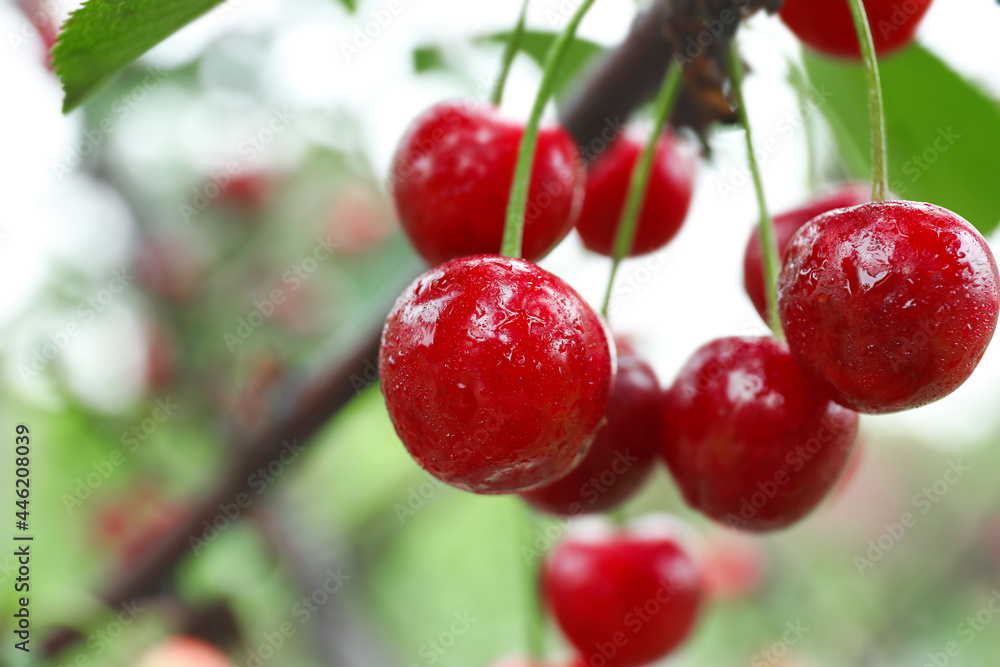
x=889 y=305
x=664 y=208
x=624 y=450
x=785 y=226
x=750 y=442
x=183 y=651
x=451 y=179
x=622 y=598
x=828 y=26
x=733 y=565
x=495 y=373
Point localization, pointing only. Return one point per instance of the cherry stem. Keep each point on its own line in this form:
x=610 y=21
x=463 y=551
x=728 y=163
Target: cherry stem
x=513 y=231
x=535 y=628
x=876 y=109
x=510 y=50
x=768 y=241
x=639 y=182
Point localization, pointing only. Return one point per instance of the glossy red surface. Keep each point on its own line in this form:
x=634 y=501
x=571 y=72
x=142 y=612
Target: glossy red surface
x=664 y=208
x=749 y=441
x=495 y=373
x=888 y=306
x=451 y=180
x=828 y=27
x=624 y=451
x=622 y=599
x=785 y=226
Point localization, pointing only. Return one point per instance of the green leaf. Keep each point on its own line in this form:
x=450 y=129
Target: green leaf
x=349 y=5
x=943 y=132
x=103 y=36
x=535 y=44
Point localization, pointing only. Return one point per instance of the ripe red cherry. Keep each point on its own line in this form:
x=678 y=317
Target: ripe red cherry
x=664 y=208
x=451 y=179
x=624 y=450
x=828 y=26
x=749 y=441
x=890 y=305
x=785 y=226
x=622 y=598
x=496 y=373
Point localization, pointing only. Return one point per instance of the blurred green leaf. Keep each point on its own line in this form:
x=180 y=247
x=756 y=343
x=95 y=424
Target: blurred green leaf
x=535 y=44
x=943 y=132
x=428 y=58
x=103 y=36
x=349 y=5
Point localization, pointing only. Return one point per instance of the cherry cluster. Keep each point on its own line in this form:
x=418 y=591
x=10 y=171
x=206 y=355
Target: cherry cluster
x=500 y=379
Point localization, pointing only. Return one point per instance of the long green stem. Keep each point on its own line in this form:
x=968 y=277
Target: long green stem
x=513 y=231
x=876 y=110
x=509 y=51
x=535 y=617
x=629 y=223
x=769 y=244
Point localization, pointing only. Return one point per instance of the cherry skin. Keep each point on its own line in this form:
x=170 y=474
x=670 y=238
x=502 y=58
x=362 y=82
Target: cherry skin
x=750 y=442
x=603 y=584
x=785 y=226
x=664 y=208
x=624 y=450
x=889 y=305
x=451 y=180
x=496 y=374
x=828 y=26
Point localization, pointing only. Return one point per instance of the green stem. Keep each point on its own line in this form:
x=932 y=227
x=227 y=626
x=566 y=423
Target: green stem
x=768 y=241
x=513 y=231
x=629 y=223
x=510 y=50
x=876 y=110
x=535 y=617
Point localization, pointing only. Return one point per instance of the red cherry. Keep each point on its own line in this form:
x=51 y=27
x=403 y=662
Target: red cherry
x=890 y=305
x=184 y=652
x=624 y=450
x=828 y=27
x=451 y=179
x=785 y=226
x=664 y=208
x=750 y=442
x=622 y=598
x=495 y=373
